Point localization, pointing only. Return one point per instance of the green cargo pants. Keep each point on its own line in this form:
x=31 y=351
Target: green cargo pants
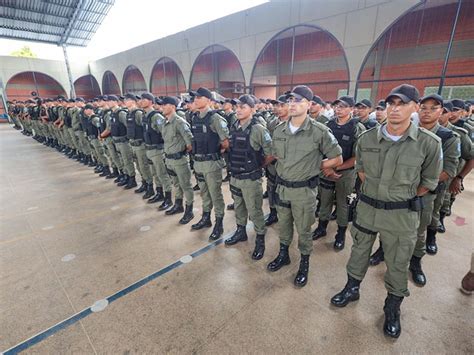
x=143 y=166
x=112 y=153
x=157 y=157
x=247 y=195
x=126 y=156
x=210 y=184
x=181 y=177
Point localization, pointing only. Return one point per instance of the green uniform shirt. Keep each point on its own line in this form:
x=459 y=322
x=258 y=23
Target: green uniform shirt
x=76 y=119
x=451 y=152
x=321 y=118
x=467 y=152
x=177 y=135
x=219 y=126
x=393 y=172
x=299 y=155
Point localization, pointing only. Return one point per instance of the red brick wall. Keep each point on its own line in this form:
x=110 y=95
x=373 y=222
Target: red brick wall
x=110 y=84
x=86 y=87
x=21 y=85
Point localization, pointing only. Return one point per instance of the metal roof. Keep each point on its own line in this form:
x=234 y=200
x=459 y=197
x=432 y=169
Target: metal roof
x=68 y=22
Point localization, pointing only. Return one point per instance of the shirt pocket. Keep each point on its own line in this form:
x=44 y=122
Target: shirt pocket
x=371 y=161
x=279 y=147
x=408 y=170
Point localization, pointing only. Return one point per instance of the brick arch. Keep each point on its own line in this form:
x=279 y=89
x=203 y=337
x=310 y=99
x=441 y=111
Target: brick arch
x=217 y=68
x=110 y=84
x=166 y=78
x=413 y=50
x=87 y=87
x=301 y=54
x=133 y=81
x=21 y=85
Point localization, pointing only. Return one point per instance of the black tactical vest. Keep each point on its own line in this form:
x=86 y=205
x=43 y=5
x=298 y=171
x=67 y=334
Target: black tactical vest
x=118 y=129
x=151 y=136
x=68 y=118
x=242 y=157
x=205 y=141
x=134 y=130
x=345 y=135
x=90 y=128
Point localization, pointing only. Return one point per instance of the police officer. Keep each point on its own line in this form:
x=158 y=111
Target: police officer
x=229 y=115
x=381 y=112
x=316 y=110
x=338 y=183
x=210 y=138
x=154 y=145
x=250 y=151
x=135 y=139
x=178 y=138
x=283 y=114
x=397 y=164
x=466 y=164
x=299 y=145
x=457 y=118
x=362 y=111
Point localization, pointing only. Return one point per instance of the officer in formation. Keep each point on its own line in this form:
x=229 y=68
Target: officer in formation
x=408 y=175
x=249 y=152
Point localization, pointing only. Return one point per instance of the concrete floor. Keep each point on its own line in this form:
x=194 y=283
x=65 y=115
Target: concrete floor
x=221 y=302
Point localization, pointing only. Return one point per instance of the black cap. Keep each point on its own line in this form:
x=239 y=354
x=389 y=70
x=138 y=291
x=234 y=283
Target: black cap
x=317 y=100
x=364 y=102
x=435 y=97
x=244 y=99
x=170 y=100
x=405 y=92
x=381 y=104
x=205 y=92
x=130 y=97
x=112 y=98
x=88 y=107
x=448 y=105
x=80 y=99
x=158 y=101
x=60 y=98
x=348 y=100
x=121 y=98
x=302 y=91
x=458 y=103
x=71 y=100
x=227 y=100
x=148 y=96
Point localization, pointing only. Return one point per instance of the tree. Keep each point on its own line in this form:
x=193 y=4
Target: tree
x=24 y=52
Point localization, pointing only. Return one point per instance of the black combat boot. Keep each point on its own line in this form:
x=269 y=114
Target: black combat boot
x=149 y=191
x=218 y=229
x=158 y=197
x=113 y=174
x=272 y=217
x=85 y=159
x=349 y=293
x=98 y=169
x=320 y=231
x=281 y=260
x=105 y=172
x=92 y=163
x=416 y=271
x=120 y=177
x=391 y=325
x=377 y=257
x=302 y=276
x=259 y=247
x=240 y=235
x=204 y=222
x=441 y=227
x=340 y=238
x=188 y=215
x=142 y=188
x=167 y=202
x=177 y=207
x=431 y=247
x=124 y=180
x=131 y=183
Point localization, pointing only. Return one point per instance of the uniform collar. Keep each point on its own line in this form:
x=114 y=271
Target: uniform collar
x=203 y=114
x=172 y=118
x=238 y=126
x=411 y=132
x=303 y=127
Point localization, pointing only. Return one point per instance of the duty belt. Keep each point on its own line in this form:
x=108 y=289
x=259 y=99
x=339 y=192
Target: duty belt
x=136 y=142
x=153 y=146
x=254 y=175
x=327 y=184
x=176 y=156
x=414 y=204
x=207 y=157
x=311 y=183
x=120 y=139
